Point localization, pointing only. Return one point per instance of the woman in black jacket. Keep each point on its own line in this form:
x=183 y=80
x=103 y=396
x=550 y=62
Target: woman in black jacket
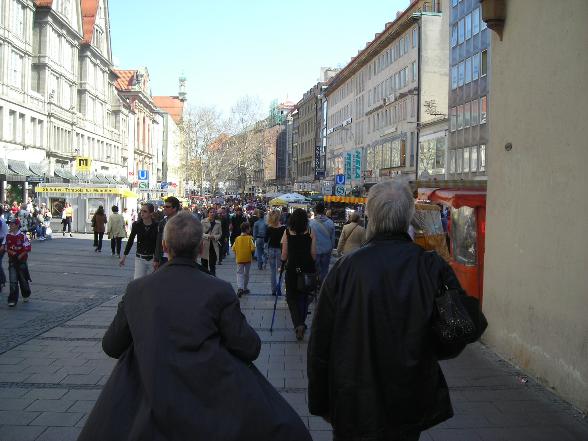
x=372 y=368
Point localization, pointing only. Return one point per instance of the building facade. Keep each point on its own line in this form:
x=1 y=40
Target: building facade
x=378 y=101
x=468 y=91
x=171 y=111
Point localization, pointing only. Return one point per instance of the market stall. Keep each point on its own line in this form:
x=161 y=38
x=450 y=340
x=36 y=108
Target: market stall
x=467 y=232
x=341 y=207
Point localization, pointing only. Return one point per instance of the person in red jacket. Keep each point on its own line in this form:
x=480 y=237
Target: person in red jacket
x=17 y=246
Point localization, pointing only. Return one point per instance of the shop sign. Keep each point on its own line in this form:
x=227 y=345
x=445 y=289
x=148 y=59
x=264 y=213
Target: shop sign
x=357 y=164
x=78 y=190
x=348 y=162
x=83 y=164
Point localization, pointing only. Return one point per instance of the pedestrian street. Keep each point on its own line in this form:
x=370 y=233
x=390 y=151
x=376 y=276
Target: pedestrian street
x=52 y=366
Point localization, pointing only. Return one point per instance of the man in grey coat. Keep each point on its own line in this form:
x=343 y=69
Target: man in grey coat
x=185 y=355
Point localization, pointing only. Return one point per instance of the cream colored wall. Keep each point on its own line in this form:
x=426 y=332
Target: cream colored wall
x=435 y=69
x=536 y=269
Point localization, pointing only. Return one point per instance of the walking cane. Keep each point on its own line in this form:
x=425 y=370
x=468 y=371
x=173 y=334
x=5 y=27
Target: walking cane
x=278 y=294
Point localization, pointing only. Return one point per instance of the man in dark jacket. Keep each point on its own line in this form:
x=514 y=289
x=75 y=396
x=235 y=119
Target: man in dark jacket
x=170 y=209
x=185 y=352
x=372 y=370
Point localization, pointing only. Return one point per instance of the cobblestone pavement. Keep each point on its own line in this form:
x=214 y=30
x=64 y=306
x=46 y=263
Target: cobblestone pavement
x=52 y=367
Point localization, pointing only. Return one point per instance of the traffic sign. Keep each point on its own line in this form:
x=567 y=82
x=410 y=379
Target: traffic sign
x=339 y=179
x=143 y=175
x=339 y=190
x=143 y=185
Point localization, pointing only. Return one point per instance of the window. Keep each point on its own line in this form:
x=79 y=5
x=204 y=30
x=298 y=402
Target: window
x=466 y=115
x=461 y=31
x=454 y=77
x=17 y=14
x=403 y=77
x=453 y=121
x=483 y=109
x=461 y=74
x=474 y=159
x=15 y=70
x=468 y=26
x=484 y=63
x=401 y=47
x=415 y=37
x=454 y=2
x=406 y=43
x=414 y=71
x=468 y=70
x=460 y=117
x=482 y=157
x=451 y=161
x=475 y=21
x=464 y=235
x=466 y=160
x=440 y=153
x=458 y=160
x=65 y=95
x=454 y=35
x=475 y=111
x=475 y=67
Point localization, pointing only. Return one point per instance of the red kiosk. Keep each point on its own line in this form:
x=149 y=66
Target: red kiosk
x=467 y=233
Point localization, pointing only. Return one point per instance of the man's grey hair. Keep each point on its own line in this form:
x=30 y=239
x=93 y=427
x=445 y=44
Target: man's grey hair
x=183 y=234
x=390 y=208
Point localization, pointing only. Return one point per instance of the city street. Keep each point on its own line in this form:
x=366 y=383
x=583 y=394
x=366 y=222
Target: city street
x=52 y=367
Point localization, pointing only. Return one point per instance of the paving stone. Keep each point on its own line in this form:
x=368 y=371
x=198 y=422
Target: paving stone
x=454 y=435
x=46 y=394
x=15 y=403
x=82 y=406
x=321 y=435
x=82 y=394
x=50 y=405
x=12 y=392
x=20 y=433
x=17 y=417
x=90 y=379
x=57 y=419
x=46 y=378
x=60 y=434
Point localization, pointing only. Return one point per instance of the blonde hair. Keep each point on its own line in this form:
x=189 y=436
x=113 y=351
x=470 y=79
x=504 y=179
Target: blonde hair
x=274 y=218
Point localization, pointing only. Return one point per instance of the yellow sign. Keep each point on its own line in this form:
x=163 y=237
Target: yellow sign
x=83 y=164
x=85 y=190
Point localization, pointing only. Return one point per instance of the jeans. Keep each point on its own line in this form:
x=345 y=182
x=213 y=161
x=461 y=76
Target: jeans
x=260 y=252
x=274 y=256
x=67 y=224
x=17 y=272
x=322 y=265
x=142 y=267
x=210 y=264
x=98 y=240
x=243 y=275
x=116 y=242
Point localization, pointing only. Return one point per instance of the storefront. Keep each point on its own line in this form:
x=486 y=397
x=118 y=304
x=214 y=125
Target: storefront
x=85 y=199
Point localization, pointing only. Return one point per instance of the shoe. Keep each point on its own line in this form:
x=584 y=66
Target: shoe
x=64 y=234
x=11 y=304
x=239 y=292
x=219 y=263
x=25 y=299
x=70 y=235
x=99 y=251
x=300 y=332
x=112 y=254
x=246 y=291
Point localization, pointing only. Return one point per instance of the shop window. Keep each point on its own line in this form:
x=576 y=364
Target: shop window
x=464 y=235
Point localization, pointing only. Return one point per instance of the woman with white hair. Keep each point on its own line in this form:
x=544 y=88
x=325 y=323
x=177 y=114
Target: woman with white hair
x=372 y=367
x=352 y=235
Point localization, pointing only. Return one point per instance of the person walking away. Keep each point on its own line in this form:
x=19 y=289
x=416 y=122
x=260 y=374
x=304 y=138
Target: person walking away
x=224 y=241
x=210 y=245
x=273 y=235
x=259 y=234
x=145 y=230
x=127 y=217
x=284 y=216
x=235 y=226
x=372 y=368
x=67 y=218
x=99 y=226
x=171 y=207
x=243 y=247
x=324 y=230
x=116 y=230
x=299 y=253
x=3 y=233
x=17 y=245
x=352 y=235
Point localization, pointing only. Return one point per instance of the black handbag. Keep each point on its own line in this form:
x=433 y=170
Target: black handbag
x=306 y=282
x=457 y=320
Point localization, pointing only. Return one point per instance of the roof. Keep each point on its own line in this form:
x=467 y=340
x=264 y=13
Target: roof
x=172 y=105
x=125 y=79
x=89 y=12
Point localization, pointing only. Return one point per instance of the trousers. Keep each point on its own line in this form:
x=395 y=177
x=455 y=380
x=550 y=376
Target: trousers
x=142 y=267
x=243 y=275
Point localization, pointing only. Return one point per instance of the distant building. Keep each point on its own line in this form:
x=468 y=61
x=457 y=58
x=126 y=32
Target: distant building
x=171 y=110
x=468 y=91
x=377 y=102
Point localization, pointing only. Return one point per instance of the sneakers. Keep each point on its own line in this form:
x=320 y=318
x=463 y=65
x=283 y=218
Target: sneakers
x=25 y=299
x=70 y=235
x=12 y=304
x=64 y=234
x=246 y=291
x=239 y=292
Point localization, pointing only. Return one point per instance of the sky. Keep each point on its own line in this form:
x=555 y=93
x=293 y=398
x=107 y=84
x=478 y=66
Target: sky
x=228 y=49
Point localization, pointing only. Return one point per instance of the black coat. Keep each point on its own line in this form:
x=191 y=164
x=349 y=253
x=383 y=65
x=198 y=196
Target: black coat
x=371 y=365
x=185 y=370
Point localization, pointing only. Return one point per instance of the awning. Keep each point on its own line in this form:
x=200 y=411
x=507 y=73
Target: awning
x=454 y=197
x=100 y=179
x=18 y=167
x=65 y=174
x=111 y=180
x=345 y=199
x=36 y=169
x=9 y=175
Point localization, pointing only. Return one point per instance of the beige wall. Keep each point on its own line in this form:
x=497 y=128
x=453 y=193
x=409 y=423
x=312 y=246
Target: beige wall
x=536 y=271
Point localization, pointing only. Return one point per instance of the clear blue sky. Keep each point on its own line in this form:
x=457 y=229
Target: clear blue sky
x=232 y=48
